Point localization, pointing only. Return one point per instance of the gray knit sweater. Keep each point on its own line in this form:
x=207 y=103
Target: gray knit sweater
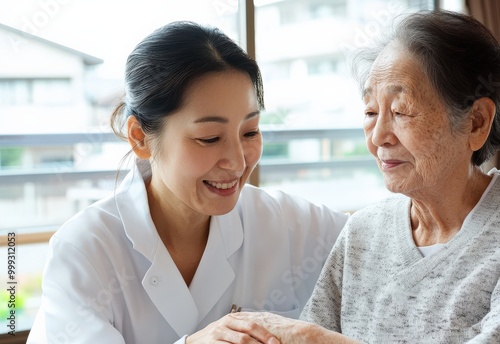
x=376 y=286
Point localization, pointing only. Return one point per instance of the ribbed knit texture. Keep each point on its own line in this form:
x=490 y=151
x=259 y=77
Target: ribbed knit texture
x=376 y=286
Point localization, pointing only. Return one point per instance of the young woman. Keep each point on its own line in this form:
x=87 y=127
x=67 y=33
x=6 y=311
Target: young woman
x=184 y=240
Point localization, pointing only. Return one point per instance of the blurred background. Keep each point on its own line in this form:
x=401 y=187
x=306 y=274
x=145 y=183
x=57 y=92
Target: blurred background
x=61 y=73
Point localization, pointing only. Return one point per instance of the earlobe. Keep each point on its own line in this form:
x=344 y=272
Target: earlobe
x=482 y=115
x=136 y=138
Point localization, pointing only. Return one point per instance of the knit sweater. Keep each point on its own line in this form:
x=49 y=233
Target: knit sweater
x=376 y=286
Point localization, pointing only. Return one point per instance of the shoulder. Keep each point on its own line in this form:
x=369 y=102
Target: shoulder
x=290 y=206
x=251 y=192
x=275 y=198
x=388 y=208
x=389 y=214
x=491 y=195
x=93 y=227
x=256 y=199
x=307 y=224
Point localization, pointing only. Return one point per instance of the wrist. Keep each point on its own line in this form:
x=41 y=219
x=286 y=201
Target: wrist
x=306 y=332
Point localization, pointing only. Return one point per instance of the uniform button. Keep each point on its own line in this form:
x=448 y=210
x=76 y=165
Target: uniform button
x=154 y=280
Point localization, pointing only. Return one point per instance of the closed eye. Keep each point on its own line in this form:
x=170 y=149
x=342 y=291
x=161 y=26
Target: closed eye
x=252 y=133
x=209 y=140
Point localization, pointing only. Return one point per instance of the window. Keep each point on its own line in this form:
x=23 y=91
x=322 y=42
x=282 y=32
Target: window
x=61 y=74
x=15 y=92
x=322 y=66
x=51 y=92
x=313 y=108
x=18 y=92
x=57 y=154
x=323 y=9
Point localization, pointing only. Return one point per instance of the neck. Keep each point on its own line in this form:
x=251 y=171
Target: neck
x=183 y=231
x=174 y=221
x=438 y=215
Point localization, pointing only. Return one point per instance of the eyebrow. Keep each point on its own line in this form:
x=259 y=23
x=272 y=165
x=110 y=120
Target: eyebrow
x=392 y=89
x=366 y=91
x=223 y=120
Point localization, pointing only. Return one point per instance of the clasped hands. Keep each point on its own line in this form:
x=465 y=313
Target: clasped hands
x=256 y=327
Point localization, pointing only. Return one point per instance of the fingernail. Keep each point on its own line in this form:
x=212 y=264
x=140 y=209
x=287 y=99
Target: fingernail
x=273 y=340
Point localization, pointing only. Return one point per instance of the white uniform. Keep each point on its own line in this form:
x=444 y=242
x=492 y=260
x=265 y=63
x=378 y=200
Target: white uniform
x=109 y=278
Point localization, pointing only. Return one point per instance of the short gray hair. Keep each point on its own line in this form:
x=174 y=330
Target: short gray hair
x=459 y=55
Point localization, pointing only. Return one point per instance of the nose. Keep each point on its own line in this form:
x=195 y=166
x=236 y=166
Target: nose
x=382 y=130
x=233 y=156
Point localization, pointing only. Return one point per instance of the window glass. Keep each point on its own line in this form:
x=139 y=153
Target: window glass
x=51 y=92
x=62 y=73
x=60 y=77
x=314 y=143
x=14 y=92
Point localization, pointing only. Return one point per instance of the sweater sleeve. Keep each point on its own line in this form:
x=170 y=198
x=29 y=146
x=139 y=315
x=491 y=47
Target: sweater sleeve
x=324 y=306
x=490 y=324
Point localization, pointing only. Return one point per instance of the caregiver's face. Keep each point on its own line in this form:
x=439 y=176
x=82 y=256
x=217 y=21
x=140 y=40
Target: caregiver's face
x=211 y=145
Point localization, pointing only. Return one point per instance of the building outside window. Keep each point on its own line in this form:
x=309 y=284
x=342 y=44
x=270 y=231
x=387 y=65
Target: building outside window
x=302 y=48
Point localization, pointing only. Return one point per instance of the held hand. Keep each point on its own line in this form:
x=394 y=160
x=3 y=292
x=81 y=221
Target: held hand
x=285 y=329
x=230 y=329
x=292 y=331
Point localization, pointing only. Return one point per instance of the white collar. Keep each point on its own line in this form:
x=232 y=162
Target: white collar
x=214 y=274
x=132 y=203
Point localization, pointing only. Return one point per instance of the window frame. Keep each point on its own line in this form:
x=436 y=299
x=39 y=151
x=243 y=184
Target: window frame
x=247 y=31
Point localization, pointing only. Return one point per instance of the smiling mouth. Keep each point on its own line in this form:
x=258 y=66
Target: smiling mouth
x=390 y=163
x=221 y=186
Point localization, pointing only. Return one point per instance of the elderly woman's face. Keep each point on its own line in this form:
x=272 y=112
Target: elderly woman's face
x=407 y=128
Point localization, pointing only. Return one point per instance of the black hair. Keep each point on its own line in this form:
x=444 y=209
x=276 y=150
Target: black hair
x=161 y=68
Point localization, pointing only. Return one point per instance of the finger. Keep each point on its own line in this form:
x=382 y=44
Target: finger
x=223 y=335
x=236 y=337
x=251 y=329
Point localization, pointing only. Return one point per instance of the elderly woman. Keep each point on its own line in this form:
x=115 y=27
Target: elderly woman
x=422 y=266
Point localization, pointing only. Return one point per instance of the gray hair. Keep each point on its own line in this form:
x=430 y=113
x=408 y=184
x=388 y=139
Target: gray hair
x=459 y=55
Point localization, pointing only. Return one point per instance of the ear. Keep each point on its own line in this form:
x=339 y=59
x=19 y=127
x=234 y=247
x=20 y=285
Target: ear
x=482 y=115
x=136 y=138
